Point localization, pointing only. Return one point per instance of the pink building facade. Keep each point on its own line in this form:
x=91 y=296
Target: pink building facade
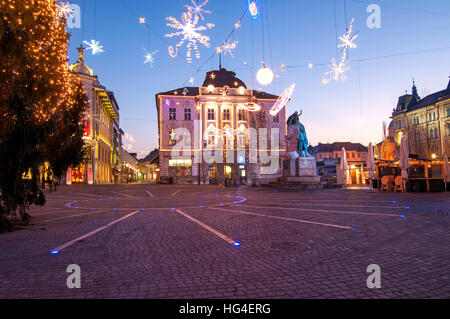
x=214 y=122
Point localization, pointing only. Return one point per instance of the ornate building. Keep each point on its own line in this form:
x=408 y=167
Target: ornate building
x=425 y=122
x=101 y=130
x=220 y=112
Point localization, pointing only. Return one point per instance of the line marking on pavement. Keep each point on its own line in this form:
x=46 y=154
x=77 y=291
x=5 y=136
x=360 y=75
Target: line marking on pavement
x=336 y=205
x=121 y=194
x=70 y=216
x=322 y=211
x=72 y=242
x=284 y=218
x=215 y=232
x=176 y=192
x=153 y=196
x=90 y=195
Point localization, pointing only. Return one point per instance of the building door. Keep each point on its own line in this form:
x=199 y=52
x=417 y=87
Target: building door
x=212 y=175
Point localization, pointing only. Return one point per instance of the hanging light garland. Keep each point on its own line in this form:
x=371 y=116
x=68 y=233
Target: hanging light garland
x=227 y=46
x=282 y=100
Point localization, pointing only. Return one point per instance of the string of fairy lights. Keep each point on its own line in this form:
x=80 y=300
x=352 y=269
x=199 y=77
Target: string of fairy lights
x=188 y=31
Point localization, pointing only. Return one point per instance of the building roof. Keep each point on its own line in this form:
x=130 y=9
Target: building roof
x=152 y=157
x=223 y=77
x=409 y=102
x=337 y=147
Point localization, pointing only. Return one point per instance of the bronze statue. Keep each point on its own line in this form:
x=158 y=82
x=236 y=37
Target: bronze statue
x=297 y=140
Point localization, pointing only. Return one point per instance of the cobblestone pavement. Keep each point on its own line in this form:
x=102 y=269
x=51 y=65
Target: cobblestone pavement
x=154 y=241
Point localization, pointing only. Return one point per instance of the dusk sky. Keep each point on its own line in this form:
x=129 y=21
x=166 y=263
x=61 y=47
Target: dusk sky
x=413 y=42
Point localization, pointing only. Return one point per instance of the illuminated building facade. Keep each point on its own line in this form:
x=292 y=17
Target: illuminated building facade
x=424 y=122
x=101 y=131
x=221 y=112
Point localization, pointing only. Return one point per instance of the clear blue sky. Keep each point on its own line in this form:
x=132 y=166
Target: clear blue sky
x=298 y=32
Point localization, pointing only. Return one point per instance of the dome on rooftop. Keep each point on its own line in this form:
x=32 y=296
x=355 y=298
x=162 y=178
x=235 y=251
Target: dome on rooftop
x=221 y=78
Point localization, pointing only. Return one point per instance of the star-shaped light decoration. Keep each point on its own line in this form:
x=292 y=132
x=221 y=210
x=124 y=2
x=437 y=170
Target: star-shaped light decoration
x=185 y=91
x=94 y=46
x=142 y=20
x=191 y=80
x=189 y=30
x=150 y=58
x=337 y=70
x=348 y=39
x=227 y=47
x=64 y=9
x=197 y=10
x=212 y=76
x=283 y=67
x=237 y=25
x=310 y=65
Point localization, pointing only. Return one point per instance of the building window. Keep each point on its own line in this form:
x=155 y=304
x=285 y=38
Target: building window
x=180 y=167
x=436 y=133
x=241 y=115
x=211 y=115
x=172 y=114
x=211 y=139
x=187 y=114
x=187 y=138
x=448 y=112
x=276 y=119
x=226 y=115
x=172 y=138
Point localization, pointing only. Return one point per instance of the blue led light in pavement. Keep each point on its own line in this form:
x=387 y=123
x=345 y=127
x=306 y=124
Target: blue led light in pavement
x=69 y=205
x=367 y=197
x=236 y=244
x=221 y=204
x=76 y=207
x=143 y=209
x=87 y=200
x=217 y=195
x=229 y=196
x=76 y=202
x=394 y=202
x=408 y=207
x=354 y=228
x=202 y=206
x=402 y=216
x=173 y=208
x=101 y=198
x=115 y=208
x=54 y=252
x=236 y=203
x=92 y=208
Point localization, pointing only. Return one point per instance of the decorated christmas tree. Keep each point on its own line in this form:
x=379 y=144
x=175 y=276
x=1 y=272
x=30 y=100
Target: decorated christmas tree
x=41 y=104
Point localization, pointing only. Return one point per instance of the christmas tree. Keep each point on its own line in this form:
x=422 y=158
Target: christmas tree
x=41 y=104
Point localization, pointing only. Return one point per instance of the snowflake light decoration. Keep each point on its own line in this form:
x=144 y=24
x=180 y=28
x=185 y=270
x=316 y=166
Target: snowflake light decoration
x=197 y=10
x=190 y=32
x=337 y=70
x=64 y=10
x=94 y=46
x=227 y=47
x=150 y=58
x=348 y=41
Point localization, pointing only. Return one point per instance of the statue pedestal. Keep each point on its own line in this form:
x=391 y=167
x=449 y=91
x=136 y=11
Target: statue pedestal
x=302 y=173
x=307 y=166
